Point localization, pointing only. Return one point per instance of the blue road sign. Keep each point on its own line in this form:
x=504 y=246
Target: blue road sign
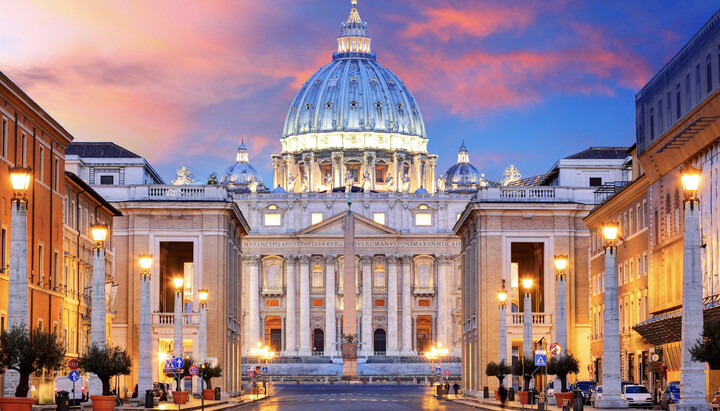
x=74 y=376
x=264 y=370
x=179 y=362
x=169 y=365
x=438 y=370
x=540 y=360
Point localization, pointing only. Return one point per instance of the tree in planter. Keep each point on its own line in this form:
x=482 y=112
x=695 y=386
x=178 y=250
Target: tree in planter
x=27 y=352
x=500 y=370
x=209 y=372
x=106 y=363
x=561 y=366
x=707 y=348
x=529 y=369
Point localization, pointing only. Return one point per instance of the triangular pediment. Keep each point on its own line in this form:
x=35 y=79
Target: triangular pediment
x=334 y=226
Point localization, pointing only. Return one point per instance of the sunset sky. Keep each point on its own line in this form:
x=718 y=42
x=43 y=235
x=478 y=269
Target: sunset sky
x=182 y=81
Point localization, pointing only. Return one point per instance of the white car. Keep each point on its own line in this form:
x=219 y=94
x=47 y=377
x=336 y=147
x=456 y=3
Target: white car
x=81 y=388
x=596 y=395
x=637 y=396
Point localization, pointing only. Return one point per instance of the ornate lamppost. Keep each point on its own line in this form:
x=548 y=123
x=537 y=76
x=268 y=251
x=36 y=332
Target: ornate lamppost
x=435 y=353
x=561 y=262
x=611 y=324
x=692 y=376
x=98 y=324
x=178 y=318
x=18 y=308
x=145 y=346
x=527 y=325
x=264 y=354
x=502 y=340
x=202 y=326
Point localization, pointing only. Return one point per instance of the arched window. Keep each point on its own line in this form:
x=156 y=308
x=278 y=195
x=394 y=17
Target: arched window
x=379 y=277
x=379 y=339
x=423 y=276
x=318 y=341
x=272 y=277
x=317 y=277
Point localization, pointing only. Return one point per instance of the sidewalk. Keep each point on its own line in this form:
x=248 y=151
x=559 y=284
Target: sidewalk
x=495 y=405
x=196 y=404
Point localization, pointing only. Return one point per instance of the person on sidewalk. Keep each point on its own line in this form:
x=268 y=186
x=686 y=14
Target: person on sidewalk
x=503 y=394
x=456 y=387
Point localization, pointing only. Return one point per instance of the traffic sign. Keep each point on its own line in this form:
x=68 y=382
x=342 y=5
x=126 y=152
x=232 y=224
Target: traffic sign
x=194 y=370
x=438 y=370
x=251 y=373
x=74 y=375
x=540 y=359
x=73 y=364
x=179 y=362
x=555 y=349
x=264 y=370
x=447 y=372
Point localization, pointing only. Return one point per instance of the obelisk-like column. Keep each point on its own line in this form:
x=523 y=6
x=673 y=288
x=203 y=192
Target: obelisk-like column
x=349 y=347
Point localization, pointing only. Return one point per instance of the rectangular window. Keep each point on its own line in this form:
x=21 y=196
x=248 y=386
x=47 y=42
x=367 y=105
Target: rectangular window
x=687 y=92
x=56 y=270
x=107 y=180
x=644 y=213
x=631 y=226
x=2 y=322
x=379 y=218
x=379 y=303
x=22 y=149
x=632 y=270
x=708 y=72
x=423 y=219
x=660 y=116
x=41 y=268
x=669 y=109
x=4 y=137
x=41 y=324
x=638 y=225
x=3 y=251
x=380 y=172
x=639 y=267
x=41 y=165
x=697 y=83
x=56 y=175
x=273 y=219
x=596 y=181
x=317 y=303
x=645 y=263
x=677 y=102
x=316 y=218
x=652 y=124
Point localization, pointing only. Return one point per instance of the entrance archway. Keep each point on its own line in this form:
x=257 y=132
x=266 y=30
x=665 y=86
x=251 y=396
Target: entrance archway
x=318 y=341
x=423 y=333
x=379 y=339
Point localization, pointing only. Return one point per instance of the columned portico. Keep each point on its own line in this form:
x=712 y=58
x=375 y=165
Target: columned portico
x=330 y=329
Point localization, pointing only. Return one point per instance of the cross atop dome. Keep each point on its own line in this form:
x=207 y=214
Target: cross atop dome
x=354 y=36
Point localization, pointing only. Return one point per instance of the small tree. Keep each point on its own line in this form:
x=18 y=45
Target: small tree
x=500 y=370
x=106 y=363
x=707 y=348
x=529 y=370
x=209 y=372
x=561 y=366
x=27 y=352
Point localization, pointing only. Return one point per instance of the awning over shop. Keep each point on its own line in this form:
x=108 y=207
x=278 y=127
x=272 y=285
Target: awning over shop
x=667 y=328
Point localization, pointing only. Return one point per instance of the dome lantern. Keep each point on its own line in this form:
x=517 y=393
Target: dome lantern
x=354 y=39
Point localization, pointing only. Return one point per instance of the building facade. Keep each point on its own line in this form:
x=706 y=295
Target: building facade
x=513 y=232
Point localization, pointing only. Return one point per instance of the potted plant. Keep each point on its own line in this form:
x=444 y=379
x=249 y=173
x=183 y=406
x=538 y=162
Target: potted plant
x=707 y=349
x=500 y=371
x=349 y=346
x=526 y=373
x=105 y=362
x=560 y=366
x=27 y=351
x=180 y=396
x=209 y=372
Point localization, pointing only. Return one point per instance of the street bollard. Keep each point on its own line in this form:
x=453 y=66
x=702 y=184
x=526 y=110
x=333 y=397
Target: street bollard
x=486 y=392
x=511 y=394
x=149 y=399
x=578 y=401
x=217 y=393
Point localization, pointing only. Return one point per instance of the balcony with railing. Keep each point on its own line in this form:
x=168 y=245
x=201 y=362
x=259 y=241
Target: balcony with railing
x=541 y=322
x=536 y=194
x=165 y=193
x=163 y=323
x=424 y=291
x=273 y=291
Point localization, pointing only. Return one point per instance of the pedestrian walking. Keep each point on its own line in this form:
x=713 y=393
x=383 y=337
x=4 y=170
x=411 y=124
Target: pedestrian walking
x=456 y=387
x=503 y=394
x=447 y=388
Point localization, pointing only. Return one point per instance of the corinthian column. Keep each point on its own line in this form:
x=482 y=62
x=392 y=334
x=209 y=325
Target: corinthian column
x=442 y=301
x=253 y=313
x=366 y=339
x=304 y=305
x=330 y=332
x=392 y=294
x=407 y=323
x=290 y=303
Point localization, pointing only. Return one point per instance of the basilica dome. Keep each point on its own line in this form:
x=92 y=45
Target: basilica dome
x=354 y=102
x=463 y=176
x=242 y=177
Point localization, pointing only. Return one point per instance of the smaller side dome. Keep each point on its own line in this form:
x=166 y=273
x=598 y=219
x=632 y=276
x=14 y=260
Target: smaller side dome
x=463 y=177
x=242 y=177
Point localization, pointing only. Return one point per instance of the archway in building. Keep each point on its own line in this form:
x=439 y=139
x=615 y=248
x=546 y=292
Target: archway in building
x=379 y=340
x=273 y=333
x=318 y=337
x=423 y=333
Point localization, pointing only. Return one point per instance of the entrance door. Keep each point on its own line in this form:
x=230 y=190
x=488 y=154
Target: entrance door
x=318 y=341
x=379 y=342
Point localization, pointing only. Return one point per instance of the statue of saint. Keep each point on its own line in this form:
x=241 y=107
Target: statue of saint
x=441 y=184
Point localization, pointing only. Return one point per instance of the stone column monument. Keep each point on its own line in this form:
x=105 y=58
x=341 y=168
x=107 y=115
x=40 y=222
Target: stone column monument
x=350 y=341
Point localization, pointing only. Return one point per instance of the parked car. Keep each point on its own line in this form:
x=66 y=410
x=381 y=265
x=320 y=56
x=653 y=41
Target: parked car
x=637 y=396
x=81 y=388
x=550 y=388
x=588 y=395
x=584 y=385
x=596 y=395
x=670 y=395
x=160 y=387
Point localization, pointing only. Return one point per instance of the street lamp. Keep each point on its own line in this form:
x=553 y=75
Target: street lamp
x=20 y=181
x=264 y=354
x=561 y=263
x=18 y=308
x=98 y=320
x=145 y=346
x=611 y=324
x=692 y=376
x=527 y=283
x=435 y=353
x=502 y=338
x=202 y=326
x=178 y=319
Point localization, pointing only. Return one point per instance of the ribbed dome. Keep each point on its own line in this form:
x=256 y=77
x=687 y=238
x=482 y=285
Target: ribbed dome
x=353 y=94
x=463 y=176
x=241 y=176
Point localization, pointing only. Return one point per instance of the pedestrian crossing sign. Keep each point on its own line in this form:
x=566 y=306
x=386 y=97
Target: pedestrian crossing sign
x=540 y=359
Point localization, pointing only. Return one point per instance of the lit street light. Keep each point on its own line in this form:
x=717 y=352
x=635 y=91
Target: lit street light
x=433 y=354
x=502 y=340
x=98 y=320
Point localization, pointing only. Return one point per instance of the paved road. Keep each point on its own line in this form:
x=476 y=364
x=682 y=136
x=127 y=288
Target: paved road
x=312 y=397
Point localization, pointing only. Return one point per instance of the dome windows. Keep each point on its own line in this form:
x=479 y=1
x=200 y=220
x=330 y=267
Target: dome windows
x=308 y=106
x=378 y=105
x=353 y=104
x=328 y=105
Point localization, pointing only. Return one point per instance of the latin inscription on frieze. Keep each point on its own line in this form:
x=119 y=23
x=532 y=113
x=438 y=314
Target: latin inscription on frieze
x=284 y=244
